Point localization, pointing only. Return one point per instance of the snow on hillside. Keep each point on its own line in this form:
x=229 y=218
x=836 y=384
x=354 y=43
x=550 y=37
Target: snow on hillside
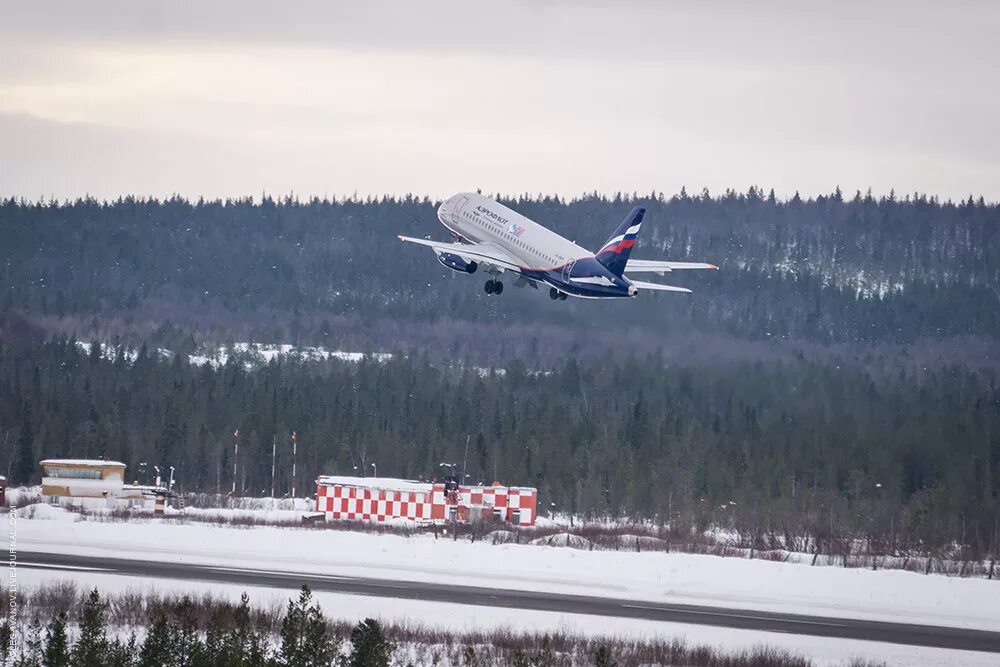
x=253 y=355
x=265 y=353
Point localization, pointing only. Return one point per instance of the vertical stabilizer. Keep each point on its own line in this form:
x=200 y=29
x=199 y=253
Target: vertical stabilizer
x=615 y=253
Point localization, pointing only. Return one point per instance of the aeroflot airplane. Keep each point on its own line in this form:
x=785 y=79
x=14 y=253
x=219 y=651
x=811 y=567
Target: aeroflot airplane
x=491 y=235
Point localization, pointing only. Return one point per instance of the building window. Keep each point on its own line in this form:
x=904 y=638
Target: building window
x=73 y=473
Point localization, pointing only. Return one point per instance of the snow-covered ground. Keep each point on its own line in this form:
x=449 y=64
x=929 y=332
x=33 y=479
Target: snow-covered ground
x=886 y=595
x=824 y=652
x=648 y=576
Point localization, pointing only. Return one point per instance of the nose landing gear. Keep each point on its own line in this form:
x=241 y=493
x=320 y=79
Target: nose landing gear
x=556 y=294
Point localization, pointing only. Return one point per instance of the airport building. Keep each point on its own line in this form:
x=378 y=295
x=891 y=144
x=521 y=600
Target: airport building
x=95 y=483
x=383 y=499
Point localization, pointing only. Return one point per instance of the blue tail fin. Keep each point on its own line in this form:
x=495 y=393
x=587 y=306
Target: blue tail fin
x=615 y=253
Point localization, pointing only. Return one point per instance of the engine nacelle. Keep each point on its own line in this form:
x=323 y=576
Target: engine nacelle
x=456 y=263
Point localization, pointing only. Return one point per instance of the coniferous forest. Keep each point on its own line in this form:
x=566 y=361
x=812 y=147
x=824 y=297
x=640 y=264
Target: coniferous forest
x=838 y=374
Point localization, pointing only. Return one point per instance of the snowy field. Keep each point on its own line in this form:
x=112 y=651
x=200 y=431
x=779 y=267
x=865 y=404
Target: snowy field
x=654 y=577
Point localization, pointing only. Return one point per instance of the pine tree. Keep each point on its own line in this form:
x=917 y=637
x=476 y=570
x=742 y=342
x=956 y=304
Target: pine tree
x=244 y=646
x=122 y=654
x=160 y=646
x=305 y=635
x=24 y=463
x=91 y=649
x=370 y=647
x=56 y=643
x=215 y=638
x=31 y=653
x=189 y=647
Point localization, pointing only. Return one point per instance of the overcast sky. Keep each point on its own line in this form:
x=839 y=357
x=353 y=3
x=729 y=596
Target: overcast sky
x=331 y=98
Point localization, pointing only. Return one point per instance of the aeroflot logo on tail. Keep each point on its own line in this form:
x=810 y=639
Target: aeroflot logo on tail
x=490 y=214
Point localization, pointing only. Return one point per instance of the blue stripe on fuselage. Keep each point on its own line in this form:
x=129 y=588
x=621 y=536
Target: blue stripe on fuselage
x=587 y=267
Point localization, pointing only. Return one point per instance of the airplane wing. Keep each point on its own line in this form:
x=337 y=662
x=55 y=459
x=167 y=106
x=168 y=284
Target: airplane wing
x=654 y=266
x=486 y=253
x=658 y=287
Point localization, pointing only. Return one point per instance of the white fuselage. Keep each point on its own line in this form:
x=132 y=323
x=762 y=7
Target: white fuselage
x=479 y=219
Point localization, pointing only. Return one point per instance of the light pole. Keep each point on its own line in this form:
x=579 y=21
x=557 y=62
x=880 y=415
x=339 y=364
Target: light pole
x=170 y=484
x=236 y=455
x=374 y=470
x=274 y=452
x=295 y=449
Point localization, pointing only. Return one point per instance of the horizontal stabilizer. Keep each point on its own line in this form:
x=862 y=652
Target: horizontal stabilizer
x=658 y=287
x=656 y=266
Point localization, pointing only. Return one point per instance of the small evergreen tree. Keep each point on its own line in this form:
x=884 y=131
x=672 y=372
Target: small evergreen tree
x=122 y=654
x=371 y=648
x=31 y=653
x=160 y=647
x=243 y=645
x=56 y=652
x=215 y=638
x=91 y=649
x=306 y=640
x=189 y=647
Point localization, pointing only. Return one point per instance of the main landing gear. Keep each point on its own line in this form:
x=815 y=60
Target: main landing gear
x=493 y=287
x=556 y=294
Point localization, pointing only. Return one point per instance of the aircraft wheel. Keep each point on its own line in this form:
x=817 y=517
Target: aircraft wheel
x=488 y=287
x=563 y=296
x=497 y=287
x=553 y=293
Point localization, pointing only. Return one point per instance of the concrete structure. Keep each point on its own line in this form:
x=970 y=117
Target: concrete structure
x=392 y=500
x=94 y=483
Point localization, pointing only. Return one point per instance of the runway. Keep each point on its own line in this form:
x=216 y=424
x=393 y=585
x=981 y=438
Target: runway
x=819 y=626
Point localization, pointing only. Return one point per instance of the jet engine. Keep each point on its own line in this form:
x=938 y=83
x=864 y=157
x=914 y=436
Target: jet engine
x=456 y=263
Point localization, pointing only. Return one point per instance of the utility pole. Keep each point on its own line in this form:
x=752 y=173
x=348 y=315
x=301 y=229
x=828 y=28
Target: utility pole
x=465 y=459
x=274 y=449
x=295 y=449
x=236 y=455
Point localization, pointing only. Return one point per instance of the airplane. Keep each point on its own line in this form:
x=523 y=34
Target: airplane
x=488 y=234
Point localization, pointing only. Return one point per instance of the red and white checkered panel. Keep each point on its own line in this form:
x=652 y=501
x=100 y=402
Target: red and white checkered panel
x=525 y=502
x=370 y=504
x=354 y=503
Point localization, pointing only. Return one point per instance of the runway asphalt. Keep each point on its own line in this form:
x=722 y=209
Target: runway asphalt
x=819 y=626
